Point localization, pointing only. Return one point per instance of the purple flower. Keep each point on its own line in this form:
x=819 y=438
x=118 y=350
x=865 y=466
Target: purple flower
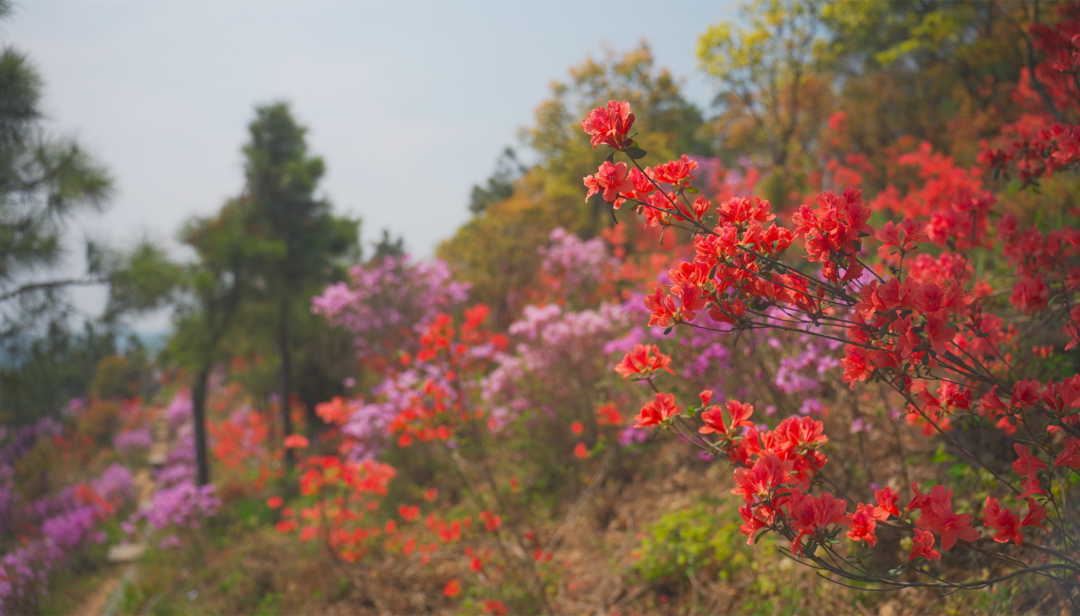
x=179 y=410
x=133 y=440
x=633 y=435
x=811 y=406
x=575 y=263
x=115 y=484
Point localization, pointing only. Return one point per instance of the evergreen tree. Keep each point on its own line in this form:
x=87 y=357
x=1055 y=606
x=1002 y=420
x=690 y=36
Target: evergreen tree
x=215 y=285
x=281 y=183
x=388 y=246
x=500 y=185
x=44 y=182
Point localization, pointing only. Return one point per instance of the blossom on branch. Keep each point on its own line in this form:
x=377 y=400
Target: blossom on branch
x=610 y=125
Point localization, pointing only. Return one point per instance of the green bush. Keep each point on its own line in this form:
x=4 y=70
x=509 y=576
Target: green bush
x=691 y=541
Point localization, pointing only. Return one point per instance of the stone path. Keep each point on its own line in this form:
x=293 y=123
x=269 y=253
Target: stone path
x=124 y=557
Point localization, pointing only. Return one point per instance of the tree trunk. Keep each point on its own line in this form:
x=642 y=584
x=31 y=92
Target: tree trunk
x=286 y=376
x=198 y=409
x=314 y=423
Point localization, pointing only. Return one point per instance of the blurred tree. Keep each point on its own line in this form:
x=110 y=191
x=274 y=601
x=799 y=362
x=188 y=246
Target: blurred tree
x=496 y=251
x=665 y=120
x=122 y=376
x=773 y=95
x=500 y=185
x=388 y=246
x=324 y=361
x=887 y=75
x=763 y=71
x=213 y=290
x=942 y=72
x=52 y=370
x=44 y=182
x=283 y=208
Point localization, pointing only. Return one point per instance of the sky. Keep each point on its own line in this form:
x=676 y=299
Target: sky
x=408 y=103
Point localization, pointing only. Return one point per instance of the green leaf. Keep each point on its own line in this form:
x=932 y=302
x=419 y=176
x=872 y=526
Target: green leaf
x=610 y=157
x=668 y=330
x=692 y=190
x=635 y=153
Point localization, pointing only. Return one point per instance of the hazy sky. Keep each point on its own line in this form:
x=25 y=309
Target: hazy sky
x=409 y=103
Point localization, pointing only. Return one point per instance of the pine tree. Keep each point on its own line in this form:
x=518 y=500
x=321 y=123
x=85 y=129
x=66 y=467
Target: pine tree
x=44 y=182
x=281 y=184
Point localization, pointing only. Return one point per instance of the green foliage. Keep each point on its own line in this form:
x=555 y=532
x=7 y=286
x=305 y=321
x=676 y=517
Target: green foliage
x=34 y=471
x=496 y=251
x=664 y=119
x=685 y=543
x=41 y=377
x=769 y=598
x=120 y=376
x=891 y=31
x=311 y=248
x=143 y=279
x=44 y=182
x=500 y=185
x=770 y=89
x=388 y=246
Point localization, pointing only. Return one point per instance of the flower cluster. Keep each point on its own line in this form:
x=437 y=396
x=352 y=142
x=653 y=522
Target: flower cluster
x=574 y=265
x=130 y=441
x=918 y=324
x=344 y=492
x=389 y=300
x=54 y=528
x=177 y=502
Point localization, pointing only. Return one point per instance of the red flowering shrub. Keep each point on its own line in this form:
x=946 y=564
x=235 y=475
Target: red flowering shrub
x=919 y=322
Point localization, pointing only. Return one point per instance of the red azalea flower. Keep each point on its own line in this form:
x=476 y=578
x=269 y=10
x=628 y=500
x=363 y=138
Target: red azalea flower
x=1004 y=521
x=761 y=480
x=886 y=503
x=298 y=441
x=924 y=541
x=1025 y=394
x=610 y=125
x=662 y=307
x=938 y=516
x=643 y=360
x=754 y=519
x=738 y=413
x=810 y=513
x=676 y=171
x=1028 y=466
x=863 y=524
x=657 y=411
x=1070 y=456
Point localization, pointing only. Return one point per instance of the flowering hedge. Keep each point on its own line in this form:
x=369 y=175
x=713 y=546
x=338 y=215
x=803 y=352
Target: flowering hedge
x=926 y=329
